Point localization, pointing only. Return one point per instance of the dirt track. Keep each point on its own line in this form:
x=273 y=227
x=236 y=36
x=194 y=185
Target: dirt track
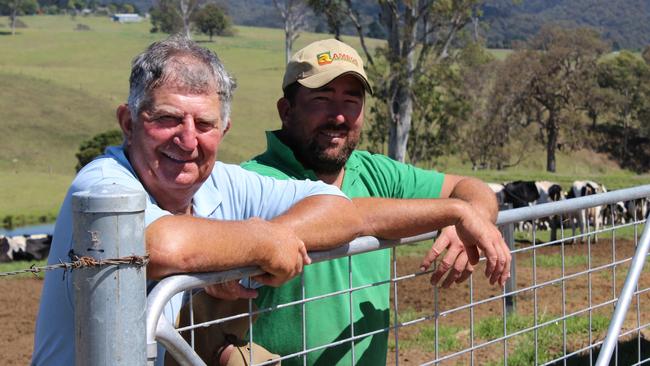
x=19 y=302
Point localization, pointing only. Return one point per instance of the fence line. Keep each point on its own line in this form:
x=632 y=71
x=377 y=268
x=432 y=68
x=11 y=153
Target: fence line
x=159 y=329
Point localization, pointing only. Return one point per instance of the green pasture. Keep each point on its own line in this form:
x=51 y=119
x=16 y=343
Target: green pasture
x=61 y=86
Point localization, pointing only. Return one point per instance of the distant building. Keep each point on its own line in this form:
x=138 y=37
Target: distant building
x=127 y=18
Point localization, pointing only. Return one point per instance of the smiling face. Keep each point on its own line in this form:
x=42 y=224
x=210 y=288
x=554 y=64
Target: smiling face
x=173 y=143
x=323 y=126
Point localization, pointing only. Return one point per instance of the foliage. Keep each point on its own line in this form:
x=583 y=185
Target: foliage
x=487 y=130
x=82 y=27
x=624 y=23
x=212 y=20
x=293 y=14
x=21 y=7
x=165 y=18
x=11 y=221
x=552 y=74
x=646 y=54
x=438 y=105
x=629 y=78
x=15 y=8
x=333 y=11
x=90 y=149
x=173 y=16
x=54 y=98
x=409 y=83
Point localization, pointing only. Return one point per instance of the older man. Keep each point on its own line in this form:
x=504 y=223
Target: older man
x=200 y=216
x=322 y=113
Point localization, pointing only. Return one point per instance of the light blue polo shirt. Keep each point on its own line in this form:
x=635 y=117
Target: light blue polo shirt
x=230 y=193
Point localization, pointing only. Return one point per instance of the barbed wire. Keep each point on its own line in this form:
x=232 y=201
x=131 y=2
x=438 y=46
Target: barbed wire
x=83 y=262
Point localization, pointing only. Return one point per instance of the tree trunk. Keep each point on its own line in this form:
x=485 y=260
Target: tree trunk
x=402 y=63
x=551 y=141
x=13 y=20
x=185 y=15
x=288 y=43
x=626 y=124
x=401 y=114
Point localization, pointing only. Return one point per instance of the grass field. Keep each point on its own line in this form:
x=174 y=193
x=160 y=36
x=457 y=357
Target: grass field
x=61 y=86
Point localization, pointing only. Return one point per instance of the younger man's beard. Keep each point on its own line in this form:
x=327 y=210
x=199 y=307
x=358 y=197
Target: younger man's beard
x=312 y=156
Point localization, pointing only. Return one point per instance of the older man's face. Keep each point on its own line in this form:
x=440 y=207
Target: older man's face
x=173 y=145
x=324 y=124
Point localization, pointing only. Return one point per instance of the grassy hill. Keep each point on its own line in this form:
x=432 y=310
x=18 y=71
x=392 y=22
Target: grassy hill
x=61 y=86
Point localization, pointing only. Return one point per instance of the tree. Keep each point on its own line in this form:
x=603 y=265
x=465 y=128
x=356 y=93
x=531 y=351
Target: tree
x=293 y=14
x=212 y=20
x=127 y=8
x=629 y=77
x=165 y=18
x=14 y=8
x=488 y=127
x=420 y=33
x=646 y=55
x=170 y=16
x=90 y=149
x=334 y=12
x=554 y=71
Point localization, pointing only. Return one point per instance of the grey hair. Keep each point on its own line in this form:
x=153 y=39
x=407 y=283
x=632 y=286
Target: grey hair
x=180 y=61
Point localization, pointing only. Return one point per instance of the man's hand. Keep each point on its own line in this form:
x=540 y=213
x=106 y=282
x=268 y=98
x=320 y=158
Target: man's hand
x=455 y=260
x=281 y=253
x=231 y=290
x=477 y=233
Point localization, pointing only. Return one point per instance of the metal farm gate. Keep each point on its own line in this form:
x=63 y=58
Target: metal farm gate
x=574 y=297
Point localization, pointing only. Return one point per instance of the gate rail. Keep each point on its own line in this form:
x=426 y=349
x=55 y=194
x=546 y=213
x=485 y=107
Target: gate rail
x=158 y=328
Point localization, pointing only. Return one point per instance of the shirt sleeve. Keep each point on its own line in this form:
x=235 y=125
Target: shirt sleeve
x=266 y=197
x=405 y=180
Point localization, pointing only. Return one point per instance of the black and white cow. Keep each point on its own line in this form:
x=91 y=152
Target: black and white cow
x=16 y=248
x=521 y=194
x=615 y=213
x=549 y=192
x=637 y=209
x=589 y=216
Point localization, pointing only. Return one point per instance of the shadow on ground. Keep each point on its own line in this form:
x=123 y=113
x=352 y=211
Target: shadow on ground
x=627 y=354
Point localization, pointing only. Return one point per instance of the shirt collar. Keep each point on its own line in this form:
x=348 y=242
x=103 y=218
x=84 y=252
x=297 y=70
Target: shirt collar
x=282 y=157
x=208 y=198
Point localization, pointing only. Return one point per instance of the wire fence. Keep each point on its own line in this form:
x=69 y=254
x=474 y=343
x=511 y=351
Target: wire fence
x=555 y=310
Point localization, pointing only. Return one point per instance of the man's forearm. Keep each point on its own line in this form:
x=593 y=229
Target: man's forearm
x=474 y=192
x=323 y=221
x=389 y=218
x=180 y=244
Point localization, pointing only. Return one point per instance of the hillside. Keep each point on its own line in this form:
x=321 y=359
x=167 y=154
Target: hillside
x=625 y=23
x=60 y=87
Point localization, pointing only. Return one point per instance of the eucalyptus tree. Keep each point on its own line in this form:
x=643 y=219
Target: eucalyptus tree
x=293 y=13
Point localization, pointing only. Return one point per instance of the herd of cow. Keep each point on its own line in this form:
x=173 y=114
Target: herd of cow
x=526 y=193
x=32 y=247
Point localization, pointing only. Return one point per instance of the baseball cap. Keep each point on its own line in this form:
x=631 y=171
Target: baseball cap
x=323 y=61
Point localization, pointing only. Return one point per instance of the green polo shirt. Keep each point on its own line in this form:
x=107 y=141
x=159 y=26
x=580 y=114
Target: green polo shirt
x=327 y=319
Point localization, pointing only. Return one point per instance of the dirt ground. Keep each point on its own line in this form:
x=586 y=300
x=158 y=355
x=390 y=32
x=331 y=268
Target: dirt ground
x=19 y=304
